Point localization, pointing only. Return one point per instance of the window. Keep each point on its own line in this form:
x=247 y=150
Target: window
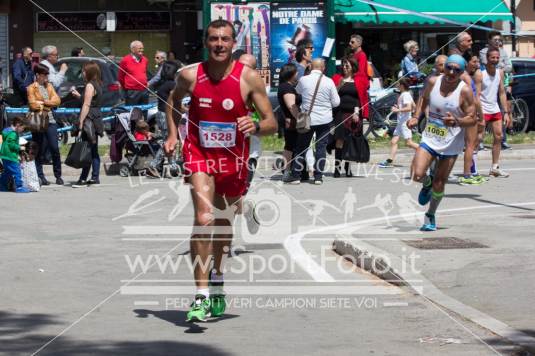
x=74 y=73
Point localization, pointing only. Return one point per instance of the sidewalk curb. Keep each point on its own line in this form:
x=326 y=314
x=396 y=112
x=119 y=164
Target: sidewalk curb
x=389 y=267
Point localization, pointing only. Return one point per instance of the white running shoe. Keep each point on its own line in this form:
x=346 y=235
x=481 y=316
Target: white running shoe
x=498 y=173
x=250 y=217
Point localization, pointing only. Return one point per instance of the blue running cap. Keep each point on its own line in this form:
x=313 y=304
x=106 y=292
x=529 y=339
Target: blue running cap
x=457 y=59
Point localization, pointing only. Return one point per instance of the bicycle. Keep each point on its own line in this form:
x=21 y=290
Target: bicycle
x=378 y=113
x=519 y=116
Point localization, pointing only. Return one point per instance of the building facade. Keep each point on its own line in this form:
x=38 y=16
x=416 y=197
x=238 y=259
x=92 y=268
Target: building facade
x=525 y=28
x=387 y=24
x=94 y=25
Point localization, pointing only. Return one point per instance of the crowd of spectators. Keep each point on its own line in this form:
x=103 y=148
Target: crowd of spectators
x=37 y=83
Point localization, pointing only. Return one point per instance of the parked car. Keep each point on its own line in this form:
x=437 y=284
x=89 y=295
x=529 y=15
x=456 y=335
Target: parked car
x=111 y=90
x=524 y=88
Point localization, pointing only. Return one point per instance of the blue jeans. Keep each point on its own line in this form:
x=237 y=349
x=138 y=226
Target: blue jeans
x=303 y=142
x=11 y=169
x=504 y=133
x=49 y=139
x=95 y=164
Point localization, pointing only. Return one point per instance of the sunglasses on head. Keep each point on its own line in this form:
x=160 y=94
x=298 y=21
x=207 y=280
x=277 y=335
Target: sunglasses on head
x=456 y=70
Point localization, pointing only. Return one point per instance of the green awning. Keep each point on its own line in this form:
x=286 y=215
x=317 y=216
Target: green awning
x=460 y=11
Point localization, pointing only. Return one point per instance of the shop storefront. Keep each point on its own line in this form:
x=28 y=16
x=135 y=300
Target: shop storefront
x=96 y=30
x=433 y=25
x=161 y=24
x=271 y=28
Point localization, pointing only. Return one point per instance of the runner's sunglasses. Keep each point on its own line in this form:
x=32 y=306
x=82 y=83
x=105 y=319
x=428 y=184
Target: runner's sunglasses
x=456 y=70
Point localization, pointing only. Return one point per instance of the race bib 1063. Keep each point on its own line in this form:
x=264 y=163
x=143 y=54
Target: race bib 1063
x=217 y=134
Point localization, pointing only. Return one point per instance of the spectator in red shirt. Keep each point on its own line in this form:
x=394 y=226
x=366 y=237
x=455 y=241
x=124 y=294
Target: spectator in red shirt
x=362 y=82
x=133 y=75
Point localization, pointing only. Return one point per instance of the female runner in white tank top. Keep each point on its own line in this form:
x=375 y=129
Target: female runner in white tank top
x=451 y=108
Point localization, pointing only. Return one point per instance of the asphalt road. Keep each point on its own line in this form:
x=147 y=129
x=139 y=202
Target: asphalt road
x=104 y=270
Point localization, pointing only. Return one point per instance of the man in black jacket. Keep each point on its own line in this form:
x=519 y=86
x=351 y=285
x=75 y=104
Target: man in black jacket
x=23 y=74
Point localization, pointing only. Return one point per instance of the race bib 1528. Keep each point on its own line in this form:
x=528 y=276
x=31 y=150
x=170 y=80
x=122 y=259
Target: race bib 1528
x=217 y=134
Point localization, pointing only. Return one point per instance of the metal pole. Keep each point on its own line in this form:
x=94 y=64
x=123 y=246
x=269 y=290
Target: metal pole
x=206 y=12
x=513 y=27
x=331 y=31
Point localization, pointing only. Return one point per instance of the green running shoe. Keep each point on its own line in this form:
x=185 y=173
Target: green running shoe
x=472 y=180
x=218 y=304
x=200 y=309
x=480 y=178
x=217 y=296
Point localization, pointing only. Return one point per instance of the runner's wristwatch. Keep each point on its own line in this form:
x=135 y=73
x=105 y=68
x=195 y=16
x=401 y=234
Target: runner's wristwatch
x=256 y=126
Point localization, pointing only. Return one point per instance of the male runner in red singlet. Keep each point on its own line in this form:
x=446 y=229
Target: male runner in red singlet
x=215 y=153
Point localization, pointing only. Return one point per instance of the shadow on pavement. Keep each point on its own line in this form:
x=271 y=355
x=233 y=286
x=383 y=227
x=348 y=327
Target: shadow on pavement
x=178 y=318
x=510 y=348
x=65 y=346
x=17 y=336
x=12 y=323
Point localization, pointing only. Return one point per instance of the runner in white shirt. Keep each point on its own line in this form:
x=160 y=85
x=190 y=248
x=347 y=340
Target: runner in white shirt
x=491 y=86
x=403 y=109
x=473 y=135
x=451 y=108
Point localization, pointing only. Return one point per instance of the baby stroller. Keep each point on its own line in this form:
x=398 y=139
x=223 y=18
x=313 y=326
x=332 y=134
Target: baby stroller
x=137 y=153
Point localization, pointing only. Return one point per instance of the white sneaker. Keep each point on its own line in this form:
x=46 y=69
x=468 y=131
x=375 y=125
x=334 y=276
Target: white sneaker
x=381 y=132
x=498 y=173
x=250 y=217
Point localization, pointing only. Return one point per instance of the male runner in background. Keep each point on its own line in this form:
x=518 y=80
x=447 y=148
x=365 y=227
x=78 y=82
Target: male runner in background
x=491 y=87
x=215 y=153
x=473 y=134
x=451 y=109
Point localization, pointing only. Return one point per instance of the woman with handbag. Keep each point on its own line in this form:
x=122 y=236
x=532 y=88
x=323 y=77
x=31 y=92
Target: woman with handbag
x=347 y=113
x=319 y=96
x=289 y=102
x=90 y=123
x=41 y=99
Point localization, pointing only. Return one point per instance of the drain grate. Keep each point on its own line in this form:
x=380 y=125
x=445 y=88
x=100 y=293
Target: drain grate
x=443 y=243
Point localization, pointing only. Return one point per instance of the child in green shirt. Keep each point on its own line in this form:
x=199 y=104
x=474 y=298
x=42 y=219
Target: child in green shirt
x=9 y=154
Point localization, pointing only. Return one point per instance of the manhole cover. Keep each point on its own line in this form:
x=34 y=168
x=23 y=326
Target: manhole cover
x=443 y=243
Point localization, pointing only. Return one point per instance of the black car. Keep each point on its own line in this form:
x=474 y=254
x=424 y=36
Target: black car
x=524 y=87
x=111 y=90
